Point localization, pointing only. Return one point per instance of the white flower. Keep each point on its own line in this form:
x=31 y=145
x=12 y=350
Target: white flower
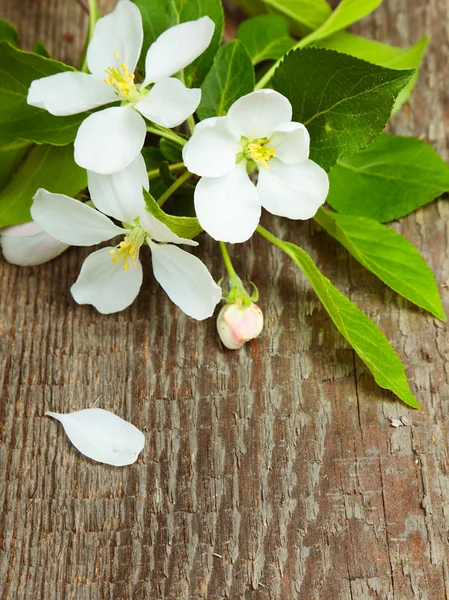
x=257 y=133
x=110 y=278
x=109 y=140
x=238 y=324
x=28 y=245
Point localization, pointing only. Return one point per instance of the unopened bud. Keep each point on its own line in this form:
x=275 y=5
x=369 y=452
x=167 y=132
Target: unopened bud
x=238 y=324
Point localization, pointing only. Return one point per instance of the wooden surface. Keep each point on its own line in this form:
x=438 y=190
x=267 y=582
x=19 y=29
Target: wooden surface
x=270 y=473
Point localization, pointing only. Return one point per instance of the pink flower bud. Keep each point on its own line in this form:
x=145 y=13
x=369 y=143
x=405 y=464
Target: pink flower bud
x=28 y=245
x=239 y=324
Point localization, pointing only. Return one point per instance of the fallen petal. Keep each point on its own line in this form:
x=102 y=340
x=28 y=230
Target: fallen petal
x=102 y=436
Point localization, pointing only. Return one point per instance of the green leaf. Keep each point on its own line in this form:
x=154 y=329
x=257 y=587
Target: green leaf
x=346 y=13
x=388 y=255
x=41 y=49
x=364 y=336
x=381 y=54
x=186 y=227
x=8 y=33
x=265 y=37
x=303 y=15
x=231 y=76
x=391 y=178
x=158 y=16
x=344 y=102
x=47 y=167
x=18 y=120
x=171 y=151
x=10 y=157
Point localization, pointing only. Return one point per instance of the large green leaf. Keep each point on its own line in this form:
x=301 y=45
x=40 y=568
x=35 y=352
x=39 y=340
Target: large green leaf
x=47 y=167
x=157 y=16
x=265 y=37
x=303 y=15
x=364 y=336
x=231 y=76
x=10 y=157
x=8 y=33
x=344 y=102
x=186 y=227
x=391 y=178
x=381 y=54
x=18 y=120
x=388 y=255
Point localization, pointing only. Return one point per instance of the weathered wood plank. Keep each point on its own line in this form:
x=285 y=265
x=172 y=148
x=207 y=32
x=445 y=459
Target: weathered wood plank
x=272 y=473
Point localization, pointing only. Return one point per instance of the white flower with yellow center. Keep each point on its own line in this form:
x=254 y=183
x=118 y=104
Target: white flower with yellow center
x=257 y=134
x=109 y=140
x=110 y=278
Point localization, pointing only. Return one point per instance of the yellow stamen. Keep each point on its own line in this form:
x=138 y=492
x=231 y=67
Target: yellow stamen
x=260 y=153
x=122 y=81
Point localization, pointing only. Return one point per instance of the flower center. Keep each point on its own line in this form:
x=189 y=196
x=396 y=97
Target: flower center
x=128 y=250
x=123 y=82
x=258 y=152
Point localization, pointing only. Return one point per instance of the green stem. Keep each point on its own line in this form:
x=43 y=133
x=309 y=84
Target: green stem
x=269 y=74
x=93 y=18
x=167 y=134
x=155 y=173
x=172 y=189
x=191 y=123
x=228 y=263
x=270 y=237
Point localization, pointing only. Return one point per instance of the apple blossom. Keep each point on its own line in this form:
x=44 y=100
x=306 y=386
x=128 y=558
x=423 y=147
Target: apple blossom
x=238 y=323
x=111 y=277
x=109 y=140
x=257 y=134
x=28 y=245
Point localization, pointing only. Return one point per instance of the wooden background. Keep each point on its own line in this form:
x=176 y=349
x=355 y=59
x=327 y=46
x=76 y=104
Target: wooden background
x=270 y=473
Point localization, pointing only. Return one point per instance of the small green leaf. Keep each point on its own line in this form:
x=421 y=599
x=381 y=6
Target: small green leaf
x=303 y=15
x=158 y=16
x=381 y=54
x=391 y=178
x=8 y=33
x=41 y=49
x=231 y=76
x=344 y=102
x=186 y=227
x=364 y=336
x=346 y=13
x=18 y=120
x=388 y=255
x=171 y=151
x=265 y=37
x=47 y=167
x=10 y=157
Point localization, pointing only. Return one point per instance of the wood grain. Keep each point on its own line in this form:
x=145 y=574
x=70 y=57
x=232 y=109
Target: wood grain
x=270 y=473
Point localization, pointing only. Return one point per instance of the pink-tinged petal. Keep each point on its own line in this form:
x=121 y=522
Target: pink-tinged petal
x=169 y=103
x=30 y=250
x=291 y=143
x=260 y=113
x=107 y=285
x=185 y=280
x=25 y=229
x=176 y=48
x=71 y=221
x=119 y=195
x=228 y=207
x=293 y=191
x=69 y=93
x=109 y=140
x=117 y=39
x=212 y=150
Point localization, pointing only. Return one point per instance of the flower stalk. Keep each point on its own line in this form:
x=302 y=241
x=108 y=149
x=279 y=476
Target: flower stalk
x=172 y=189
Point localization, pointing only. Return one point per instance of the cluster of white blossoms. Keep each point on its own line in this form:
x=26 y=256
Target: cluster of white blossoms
x=253 y=157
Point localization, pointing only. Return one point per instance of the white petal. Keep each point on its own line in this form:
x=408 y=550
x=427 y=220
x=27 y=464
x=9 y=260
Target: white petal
x=110 y=140
x=106 y=285
x=25 y=229
x=213 y=148
x=120 y=194
x=30 y=250
x=117 y=39
x=176 y=48
x=228 y=207
x=293 y=191
x=291 y=142
x=169 y=103
x=259 y=113
x=160 y=232
x=69 y=93
x=186 y=280
x=102 y=436
x=71 y=221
